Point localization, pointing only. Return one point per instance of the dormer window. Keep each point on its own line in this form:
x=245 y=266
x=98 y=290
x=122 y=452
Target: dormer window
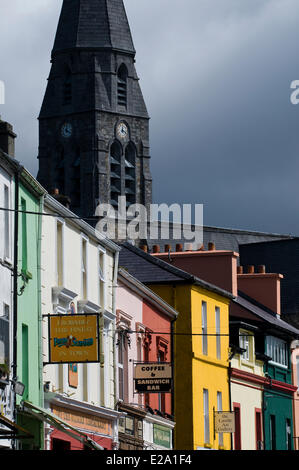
x=246 y=343
x=122 y=76
x=277 y=349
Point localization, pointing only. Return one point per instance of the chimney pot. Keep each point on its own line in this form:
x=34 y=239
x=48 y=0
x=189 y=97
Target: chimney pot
x=250 y=269
x=179 y=247
x=167 y=248
x=240 y=269
x=143 y=248
x=156 y=248
x=261 y=269
x=211 y=246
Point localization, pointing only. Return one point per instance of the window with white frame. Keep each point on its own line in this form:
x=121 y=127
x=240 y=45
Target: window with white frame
x=245 y=341
x=59 y=253
x=204 y=322
x=123 y=345
x=219 y=408
x=277 y=349
x=218 y=337
x=7 y=247
x=102 y=279
x=84 y=269
x=4 y=335
x=206 y=416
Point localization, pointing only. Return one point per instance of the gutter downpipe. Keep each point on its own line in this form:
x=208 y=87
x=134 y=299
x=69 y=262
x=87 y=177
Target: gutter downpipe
x=230 y=396
x=114 y=286
x=15 y=294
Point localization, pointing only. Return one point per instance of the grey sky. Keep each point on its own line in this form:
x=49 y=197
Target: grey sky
x=216 y=78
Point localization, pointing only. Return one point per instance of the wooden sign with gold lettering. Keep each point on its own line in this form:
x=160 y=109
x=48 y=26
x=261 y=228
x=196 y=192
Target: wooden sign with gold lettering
x=73 y=338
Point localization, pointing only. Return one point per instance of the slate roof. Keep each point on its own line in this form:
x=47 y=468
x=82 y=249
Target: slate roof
x=274 y=322
x=93 y=24
x=224 y=238
x=151 y=270
x=281 y=257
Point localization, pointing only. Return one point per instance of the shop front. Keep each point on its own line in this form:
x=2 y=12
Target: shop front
x=157 y=433
x=72 y=425
x=130 y=428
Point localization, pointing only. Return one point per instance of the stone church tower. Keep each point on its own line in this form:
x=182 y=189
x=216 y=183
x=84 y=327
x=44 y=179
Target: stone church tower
x=93 y=124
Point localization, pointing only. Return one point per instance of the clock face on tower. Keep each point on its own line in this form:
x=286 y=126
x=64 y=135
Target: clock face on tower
x=66 y=130
x=122 y=130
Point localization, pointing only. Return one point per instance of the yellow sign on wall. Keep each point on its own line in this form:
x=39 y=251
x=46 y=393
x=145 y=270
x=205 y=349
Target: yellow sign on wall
x=73 y=338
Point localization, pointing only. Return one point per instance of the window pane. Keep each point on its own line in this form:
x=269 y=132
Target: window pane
x=206 y=416
x=218 y=338
x=204 y=328
x=6 y=223
x=219 y=408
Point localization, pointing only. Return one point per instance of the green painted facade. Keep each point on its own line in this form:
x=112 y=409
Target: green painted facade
x=29 y=353
x=278 y=410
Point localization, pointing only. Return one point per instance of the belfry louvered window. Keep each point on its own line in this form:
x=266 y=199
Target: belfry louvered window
x=130 y=174
x=115 y=173
x=122 y=85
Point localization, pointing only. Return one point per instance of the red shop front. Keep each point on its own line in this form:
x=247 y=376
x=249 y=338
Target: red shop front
x=96 y=428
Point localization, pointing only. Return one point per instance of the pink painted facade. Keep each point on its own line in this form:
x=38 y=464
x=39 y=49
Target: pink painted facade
x=143 y=334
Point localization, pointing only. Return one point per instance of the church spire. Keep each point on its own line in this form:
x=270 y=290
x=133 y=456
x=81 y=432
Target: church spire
x=94 y=24
x=94 y=124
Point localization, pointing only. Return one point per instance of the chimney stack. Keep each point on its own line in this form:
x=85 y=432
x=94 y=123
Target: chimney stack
x=7 y=138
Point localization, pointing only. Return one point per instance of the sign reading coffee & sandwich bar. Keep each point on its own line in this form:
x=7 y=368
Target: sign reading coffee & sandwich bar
x=153 y=377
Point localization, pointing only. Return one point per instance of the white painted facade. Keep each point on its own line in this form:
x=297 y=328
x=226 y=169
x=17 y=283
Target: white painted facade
x=78 y=268
x=247 y=393
x=6 y=298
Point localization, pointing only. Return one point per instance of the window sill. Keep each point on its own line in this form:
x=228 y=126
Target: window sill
x=208 y=446
x=7 y=261
x=249 y=364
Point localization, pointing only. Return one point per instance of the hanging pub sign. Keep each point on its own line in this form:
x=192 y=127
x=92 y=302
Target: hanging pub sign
x=73 y=338
x=153 y=377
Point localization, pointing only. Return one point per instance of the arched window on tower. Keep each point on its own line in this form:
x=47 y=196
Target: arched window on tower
x=67 y=87
x=60 y=172
x=130 y=173
x=75 y=192
x=115 y=172
x=122 y=76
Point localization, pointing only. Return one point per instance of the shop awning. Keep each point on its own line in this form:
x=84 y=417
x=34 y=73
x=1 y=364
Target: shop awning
x=49 y=418
x=14 y=431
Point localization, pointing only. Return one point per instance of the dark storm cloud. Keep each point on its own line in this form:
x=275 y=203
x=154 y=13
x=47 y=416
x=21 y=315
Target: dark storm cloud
x=216 y=78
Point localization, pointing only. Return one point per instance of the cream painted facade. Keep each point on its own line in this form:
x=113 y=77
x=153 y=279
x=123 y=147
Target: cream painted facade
x=248 y=394
x=79 y=271
x=6 y=298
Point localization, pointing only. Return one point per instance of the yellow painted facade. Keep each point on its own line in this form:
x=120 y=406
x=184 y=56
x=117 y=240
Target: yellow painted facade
x=199 y=375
